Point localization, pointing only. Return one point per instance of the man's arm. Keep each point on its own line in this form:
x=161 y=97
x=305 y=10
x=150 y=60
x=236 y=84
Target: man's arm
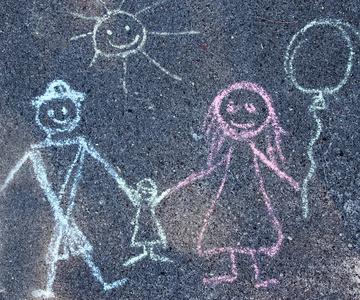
x=122 y=184
x=14 y=170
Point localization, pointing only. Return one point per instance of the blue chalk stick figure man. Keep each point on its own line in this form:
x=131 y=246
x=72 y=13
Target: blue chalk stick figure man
x=58 y=113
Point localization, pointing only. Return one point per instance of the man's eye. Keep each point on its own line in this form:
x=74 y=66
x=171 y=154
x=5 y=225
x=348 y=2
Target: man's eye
x=50 y=113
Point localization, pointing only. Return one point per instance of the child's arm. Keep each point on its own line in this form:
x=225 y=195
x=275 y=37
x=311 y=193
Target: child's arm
x=159 y=198
x=14 y=171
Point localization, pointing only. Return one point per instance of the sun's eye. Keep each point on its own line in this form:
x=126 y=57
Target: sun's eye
x=64 y=111
x=50 y=113
x=127 y=27
x=109 y=32
x=250 y=108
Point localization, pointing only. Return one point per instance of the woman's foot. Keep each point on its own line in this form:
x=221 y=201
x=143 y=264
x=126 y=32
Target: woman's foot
x=266 y=283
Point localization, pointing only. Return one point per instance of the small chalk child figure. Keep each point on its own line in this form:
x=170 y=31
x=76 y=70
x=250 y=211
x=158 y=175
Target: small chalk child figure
x=148 y=232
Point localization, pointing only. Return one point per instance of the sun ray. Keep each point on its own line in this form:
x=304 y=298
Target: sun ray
x=94 y=59
x=124 y=75
x=121 y=4
x=150 y=7
x=160 y=67
x=75 y=38
x=174 y=33
x=96 y=19
x=104 y=4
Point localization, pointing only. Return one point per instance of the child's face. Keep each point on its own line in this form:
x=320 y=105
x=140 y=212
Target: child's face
x=245 y=112
x=146 y=191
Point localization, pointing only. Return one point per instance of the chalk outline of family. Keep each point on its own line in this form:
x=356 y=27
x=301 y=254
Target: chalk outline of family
x=67 y=238
x=73 y=242
x=124 y=51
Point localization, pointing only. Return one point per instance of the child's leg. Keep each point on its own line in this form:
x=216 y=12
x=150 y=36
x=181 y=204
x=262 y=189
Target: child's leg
x=96 y=272
x=224 y=278
x=157 y=257
x=258 y=281
x=136 y=258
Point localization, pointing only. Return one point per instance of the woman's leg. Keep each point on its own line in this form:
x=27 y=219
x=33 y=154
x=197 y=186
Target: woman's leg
x=224 y=278
x=258 y=282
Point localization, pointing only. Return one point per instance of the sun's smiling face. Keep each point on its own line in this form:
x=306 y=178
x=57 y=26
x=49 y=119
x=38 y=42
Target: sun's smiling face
x=119 y=35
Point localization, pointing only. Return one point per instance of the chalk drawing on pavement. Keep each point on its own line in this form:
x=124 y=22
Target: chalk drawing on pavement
x=145 y=198
x=58 y=112
x=120 y=34
x=318 y=94
x=235 y=121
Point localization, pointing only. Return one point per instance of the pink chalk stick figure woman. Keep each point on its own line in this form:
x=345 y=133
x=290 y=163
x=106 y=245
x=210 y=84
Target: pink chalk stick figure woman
x=230 y=123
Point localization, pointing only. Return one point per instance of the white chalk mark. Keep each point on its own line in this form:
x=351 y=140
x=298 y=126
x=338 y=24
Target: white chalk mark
x=75 y=38
x=124 y=76
x=122 y=47
x=173 y=33
x=14 y=171
x=157 y=3
x=319 y=102
x=106 y=41
x=67 y=239
x=90 y=18
x=145 y=198
x=96 y=55
x=104 y=4
x=160 y=67
x=121 y=4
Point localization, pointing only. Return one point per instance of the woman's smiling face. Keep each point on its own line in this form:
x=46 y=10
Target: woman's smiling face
x=120 y=34
x=244 y=112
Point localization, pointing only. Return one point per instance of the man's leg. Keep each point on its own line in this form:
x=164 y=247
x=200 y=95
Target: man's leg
x=96 y=272
x=52 y=258
x=136 y=258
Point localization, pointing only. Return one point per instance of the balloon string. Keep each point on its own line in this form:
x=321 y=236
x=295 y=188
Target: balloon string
x=318 y=104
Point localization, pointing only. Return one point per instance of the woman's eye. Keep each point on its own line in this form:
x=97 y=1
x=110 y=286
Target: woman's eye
x=231 y=108
x=250 y=108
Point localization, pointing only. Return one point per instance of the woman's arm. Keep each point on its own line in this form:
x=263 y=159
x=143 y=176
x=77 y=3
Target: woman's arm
x=275 y=168
x=195 y=176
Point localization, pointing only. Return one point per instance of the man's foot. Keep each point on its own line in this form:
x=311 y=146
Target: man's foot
x=115 y=284
x=135 y=259
x=42 y=294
